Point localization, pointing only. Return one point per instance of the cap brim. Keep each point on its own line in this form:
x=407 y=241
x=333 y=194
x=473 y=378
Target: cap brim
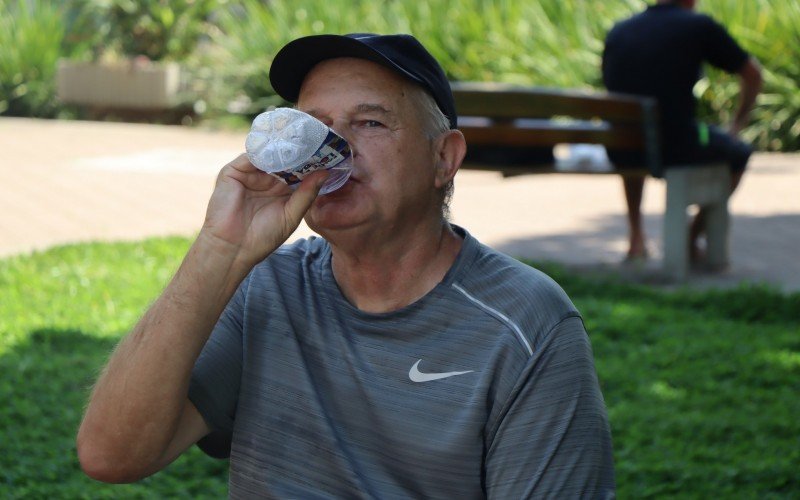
x=293 y=62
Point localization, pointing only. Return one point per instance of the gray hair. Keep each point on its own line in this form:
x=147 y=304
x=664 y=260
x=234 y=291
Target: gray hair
x=435 y=123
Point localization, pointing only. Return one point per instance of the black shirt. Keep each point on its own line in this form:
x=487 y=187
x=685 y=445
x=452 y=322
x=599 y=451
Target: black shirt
x=660 y=53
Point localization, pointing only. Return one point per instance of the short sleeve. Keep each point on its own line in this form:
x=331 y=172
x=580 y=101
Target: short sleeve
x=721 y=50
x=554 y=440
x=216 y=376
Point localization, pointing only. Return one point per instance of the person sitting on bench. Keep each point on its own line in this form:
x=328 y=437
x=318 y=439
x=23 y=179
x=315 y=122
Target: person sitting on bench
x=659 y=53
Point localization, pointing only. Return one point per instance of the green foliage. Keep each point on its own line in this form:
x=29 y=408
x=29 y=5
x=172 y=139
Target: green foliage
x=31 y=34
x=770 y=31
x=555 y=43
x=701 y=386
x=156 y=29
x=549 y=43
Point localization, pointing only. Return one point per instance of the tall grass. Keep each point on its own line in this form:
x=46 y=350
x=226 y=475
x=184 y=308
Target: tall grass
x=31 y=32
x=550 y=43
x=770 y=30
x=556 y=43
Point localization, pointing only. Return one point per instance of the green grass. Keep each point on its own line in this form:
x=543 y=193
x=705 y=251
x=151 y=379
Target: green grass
x=702 y=387
x=61 y=313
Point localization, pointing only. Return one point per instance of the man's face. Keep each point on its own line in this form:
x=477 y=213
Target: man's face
x=393 y=183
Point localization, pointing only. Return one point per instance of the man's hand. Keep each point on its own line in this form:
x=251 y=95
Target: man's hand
x=253 y=212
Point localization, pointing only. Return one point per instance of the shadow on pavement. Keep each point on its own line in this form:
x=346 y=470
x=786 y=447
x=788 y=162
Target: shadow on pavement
x=764 y=250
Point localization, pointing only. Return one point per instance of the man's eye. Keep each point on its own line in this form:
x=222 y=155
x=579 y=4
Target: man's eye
x=372 y=123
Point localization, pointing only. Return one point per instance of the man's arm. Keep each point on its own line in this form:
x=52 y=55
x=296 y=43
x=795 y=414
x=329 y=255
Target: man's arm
x=139 y=417
x=750 y=82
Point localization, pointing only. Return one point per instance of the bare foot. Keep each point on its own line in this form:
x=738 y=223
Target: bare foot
x=636 y=257
x=697 y=250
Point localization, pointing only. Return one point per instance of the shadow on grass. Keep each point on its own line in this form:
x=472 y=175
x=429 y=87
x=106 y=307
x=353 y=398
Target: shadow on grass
x=699 y=406
x=699 y=385
x=44 y=384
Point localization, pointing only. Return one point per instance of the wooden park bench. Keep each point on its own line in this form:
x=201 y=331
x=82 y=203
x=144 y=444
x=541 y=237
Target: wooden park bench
x=513 y=130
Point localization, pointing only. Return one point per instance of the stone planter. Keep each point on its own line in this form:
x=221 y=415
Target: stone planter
x=131 y=85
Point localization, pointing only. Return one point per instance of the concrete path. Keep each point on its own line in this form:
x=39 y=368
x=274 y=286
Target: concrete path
x=68 y=181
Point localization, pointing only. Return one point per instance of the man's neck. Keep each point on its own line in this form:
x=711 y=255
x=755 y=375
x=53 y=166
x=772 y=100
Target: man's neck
x=396 y=273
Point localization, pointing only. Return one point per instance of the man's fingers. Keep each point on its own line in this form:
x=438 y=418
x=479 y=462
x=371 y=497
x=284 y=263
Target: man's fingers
x=236 y=167
x=242 y=164
x=244 y=172
x=301 y=200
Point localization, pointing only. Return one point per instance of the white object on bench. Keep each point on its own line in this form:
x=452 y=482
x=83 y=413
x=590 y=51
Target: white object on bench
x=592 y=157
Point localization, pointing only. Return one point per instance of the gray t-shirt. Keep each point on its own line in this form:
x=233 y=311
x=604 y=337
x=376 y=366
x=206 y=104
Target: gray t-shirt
x=484 y=387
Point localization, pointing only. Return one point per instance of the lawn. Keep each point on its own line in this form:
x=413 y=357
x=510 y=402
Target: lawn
x=702 y=387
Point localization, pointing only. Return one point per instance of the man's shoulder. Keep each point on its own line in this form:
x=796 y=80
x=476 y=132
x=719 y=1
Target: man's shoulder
x=517 y=291
x=663 y=15
x=506 y=271
x=691 y=20
x=498 y=274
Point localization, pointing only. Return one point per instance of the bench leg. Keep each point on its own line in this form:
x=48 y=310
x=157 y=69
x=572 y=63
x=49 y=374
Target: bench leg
x=676 y=234
x=709 y=187
x=717 y=230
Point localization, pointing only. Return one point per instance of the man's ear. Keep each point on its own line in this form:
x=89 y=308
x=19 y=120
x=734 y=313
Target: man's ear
x=451 y=148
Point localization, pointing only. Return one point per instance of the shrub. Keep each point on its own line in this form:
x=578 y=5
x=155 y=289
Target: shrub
x=770 y=30
x=31 y=36
x=555 y=43
x=156 y=29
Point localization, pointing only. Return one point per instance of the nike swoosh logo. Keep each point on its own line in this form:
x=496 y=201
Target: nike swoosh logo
x=417 y=376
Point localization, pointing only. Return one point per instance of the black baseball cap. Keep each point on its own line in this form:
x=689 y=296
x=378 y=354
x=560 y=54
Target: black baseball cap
x=401 y=53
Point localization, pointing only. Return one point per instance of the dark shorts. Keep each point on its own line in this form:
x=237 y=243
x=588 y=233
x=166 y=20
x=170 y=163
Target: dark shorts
x=723 y=147
x=718 y=147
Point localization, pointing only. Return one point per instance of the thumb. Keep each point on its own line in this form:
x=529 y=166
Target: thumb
x=302 y=198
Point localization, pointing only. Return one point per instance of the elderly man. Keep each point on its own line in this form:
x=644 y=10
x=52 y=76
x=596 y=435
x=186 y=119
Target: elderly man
x=394 y=357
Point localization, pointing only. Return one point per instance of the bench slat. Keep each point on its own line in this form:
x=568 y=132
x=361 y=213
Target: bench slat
x=550 y=168
x=629 y=138
x=512 y=130
x=500 y=115
x=505 y=101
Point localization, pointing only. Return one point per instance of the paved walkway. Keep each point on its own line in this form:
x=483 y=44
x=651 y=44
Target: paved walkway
x=69 y=181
